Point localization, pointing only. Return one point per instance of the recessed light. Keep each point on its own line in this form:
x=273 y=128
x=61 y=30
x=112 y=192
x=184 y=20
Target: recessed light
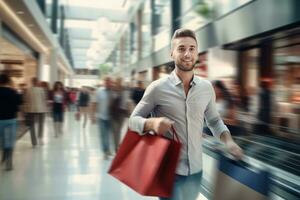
x=30 y=25
x=20 y=12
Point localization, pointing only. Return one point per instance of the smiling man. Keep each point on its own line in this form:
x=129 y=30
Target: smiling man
x=183 y=100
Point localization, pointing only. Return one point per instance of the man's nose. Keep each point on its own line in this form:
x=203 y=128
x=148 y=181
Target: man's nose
x=187 y=53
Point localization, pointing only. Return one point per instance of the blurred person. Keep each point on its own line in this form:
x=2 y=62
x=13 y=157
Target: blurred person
x=73 y=98
x=10 y=101
x=58 y=106
x=83 y=103
x=265 y=106
x=183 y=100
x=101 y=112
x=22 y=88
x=67 y=97
x=118 y=110
x=138 y=92
x=224 y=102
x=225 y=105
x=128 y=90
x=239 y=95
x=92 y=102
x=245 y=100
x=35 y=107
x=46 y=87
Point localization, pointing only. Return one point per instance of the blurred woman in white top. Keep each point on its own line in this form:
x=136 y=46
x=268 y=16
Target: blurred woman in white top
x=58 y=104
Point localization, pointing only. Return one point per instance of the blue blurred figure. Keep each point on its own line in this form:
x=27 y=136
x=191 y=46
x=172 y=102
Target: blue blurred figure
x=10 y=101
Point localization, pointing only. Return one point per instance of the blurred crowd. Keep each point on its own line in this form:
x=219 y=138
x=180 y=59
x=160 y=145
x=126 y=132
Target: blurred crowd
x=25 y=108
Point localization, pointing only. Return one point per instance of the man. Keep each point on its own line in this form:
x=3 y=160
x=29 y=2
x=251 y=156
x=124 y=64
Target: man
x=83 y=103
x=183 y=100
x=118 y=110
x=10 y=101
x=35 y=107
x=138 y=92
x=101 y=108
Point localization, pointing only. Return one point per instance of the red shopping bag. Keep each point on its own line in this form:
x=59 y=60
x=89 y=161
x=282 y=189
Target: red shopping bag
x=147 y=163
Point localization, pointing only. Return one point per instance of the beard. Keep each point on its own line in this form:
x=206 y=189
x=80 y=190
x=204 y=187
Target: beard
x=185 y=68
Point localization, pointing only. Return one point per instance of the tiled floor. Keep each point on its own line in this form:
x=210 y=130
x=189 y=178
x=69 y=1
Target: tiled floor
x=69 y=167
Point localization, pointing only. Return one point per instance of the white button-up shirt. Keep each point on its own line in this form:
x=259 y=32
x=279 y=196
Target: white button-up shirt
x=166 y=98
x=103 y=100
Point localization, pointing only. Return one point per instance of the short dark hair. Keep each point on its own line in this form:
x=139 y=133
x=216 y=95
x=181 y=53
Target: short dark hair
x=4 y=79
x=57 y=84
x=182 y=32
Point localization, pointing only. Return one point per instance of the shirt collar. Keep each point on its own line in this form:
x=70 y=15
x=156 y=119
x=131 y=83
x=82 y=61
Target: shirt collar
x=176 y=80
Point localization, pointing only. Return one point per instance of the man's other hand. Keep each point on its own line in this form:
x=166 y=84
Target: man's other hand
x=159 y=125
x=234 y=149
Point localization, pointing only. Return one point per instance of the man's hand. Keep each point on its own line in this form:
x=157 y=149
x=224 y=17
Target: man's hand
x=232 y=147
x=159 y=125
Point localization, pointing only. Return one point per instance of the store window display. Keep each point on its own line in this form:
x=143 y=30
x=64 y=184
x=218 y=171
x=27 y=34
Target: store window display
x=287 y=94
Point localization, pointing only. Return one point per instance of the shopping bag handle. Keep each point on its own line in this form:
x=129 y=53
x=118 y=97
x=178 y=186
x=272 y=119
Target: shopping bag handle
x=175 y=134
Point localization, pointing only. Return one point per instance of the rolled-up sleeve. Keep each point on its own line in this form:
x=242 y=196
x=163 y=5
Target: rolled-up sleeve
x=212 y=117
x=142 y=110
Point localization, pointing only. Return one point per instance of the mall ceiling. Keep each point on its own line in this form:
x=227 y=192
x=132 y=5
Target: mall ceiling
x=18 y=18
x=94 y=27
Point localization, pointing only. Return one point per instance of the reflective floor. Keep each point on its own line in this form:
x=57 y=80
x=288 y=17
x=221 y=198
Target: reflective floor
x=64 y=168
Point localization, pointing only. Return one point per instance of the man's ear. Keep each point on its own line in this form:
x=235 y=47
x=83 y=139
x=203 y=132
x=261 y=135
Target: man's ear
x=171 y=53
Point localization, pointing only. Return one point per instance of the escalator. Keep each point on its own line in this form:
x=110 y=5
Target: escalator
x=281 y=158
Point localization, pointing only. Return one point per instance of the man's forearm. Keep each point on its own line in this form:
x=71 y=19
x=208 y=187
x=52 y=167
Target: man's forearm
x=226 y=137
x=232 y=147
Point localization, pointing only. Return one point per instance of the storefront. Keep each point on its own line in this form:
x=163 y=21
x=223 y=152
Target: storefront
x=268 y=75
x=286 y=76
x=20 y=66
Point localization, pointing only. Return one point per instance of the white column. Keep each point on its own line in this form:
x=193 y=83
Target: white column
x=43 y=68
x=53 y=61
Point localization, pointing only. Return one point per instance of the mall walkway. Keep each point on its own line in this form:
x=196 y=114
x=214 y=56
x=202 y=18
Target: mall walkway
x=64 y=168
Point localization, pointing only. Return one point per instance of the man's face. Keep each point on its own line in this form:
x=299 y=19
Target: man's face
x=108 y=83
x=184 y=53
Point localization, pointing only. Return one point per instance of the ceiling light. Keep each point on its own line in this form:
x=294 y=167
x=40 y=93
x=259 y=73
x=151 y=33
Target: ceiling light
x=20 y=12
x=30 y=25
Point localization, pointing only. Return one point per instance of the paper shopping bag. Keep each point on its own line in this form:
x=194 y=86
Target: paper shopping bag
x=147 y=163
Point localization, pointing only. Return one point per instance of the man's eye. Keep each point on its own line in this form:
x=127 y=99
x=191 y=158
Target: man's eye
x=181 y=49
x=192 y=49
